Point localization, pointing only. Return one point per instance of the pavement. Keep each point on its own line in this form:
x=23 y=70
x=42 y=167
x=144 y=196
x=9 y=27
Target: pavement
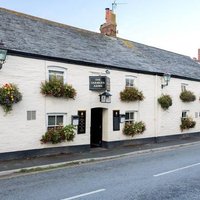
x=11 y=167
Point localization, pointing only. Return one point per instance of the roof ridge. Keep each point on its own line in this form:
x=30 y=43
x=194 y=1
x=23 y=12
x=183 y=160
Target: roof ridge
x=47 y=21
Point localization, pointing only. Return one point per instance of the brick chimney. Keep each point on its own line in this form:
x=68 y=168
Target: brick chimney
x=110 y=27
x=199 y=55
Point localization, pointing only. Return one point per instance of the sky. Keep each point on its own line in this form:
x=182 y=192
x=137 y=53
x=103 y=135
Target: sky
x=173 y=25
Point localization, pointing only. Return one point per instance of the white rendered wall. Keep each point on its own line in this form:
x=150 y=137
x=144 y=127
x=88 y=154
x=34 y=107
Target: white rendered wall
x=16 y=133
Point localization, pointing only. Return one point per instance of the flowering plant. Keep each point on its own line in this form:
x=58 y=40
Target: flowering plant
x=57 y=88
x=9 y=95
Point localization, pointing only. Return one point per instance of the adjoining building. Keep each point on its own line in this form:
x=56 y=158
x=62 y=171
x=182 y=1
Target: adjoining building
x=99 y=67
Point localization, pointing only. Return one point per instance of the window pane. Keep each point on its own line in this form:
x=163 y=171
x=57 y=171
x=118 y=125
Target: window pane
x=127 y=82
x=51 y=120
x=131 y=82
x=59 y=120
x=126 y=116
x=33 y=115
x=131 y=115
x=184 y=114
x=28 y=115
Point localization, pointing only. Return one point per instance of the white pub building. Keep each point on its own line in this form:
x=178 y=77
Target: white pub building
x=100 y=67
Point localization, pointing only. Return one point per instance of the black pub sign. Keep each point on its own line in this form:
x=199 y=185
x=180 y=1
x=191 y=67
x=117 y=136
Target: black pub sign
x=99 y=83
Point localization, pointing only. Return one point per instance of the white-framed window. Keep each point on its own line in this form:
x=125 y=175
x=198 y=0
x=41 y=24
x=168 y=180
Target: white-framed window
x=31 y=115
x=130 y=116
x=185 y=113
x=129 y=81
x=183 y=87
x=58 y=72
x=55 y=120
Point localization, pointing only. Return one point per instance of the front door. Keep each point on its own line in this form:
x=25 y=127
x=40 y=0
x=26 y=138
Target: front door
x=96 y=127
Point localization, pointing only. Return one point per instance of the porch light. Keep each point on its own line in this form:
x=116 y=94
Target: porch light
x=105 y=97
x=166 y=79
x=3 y=54
x=75 y=120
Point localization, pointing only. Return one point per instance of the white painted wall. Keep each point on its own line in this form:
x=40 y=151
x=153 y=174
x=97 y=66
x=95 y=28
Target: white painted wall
x=16 y=133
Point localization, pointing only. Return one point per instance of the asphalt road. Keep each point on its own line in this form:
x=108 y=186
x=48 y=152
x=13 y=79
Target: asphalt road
x=172 y=174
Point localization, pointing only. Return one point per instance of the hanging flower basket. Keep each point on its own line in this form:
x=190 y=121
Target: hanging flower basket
x=9 y=95
x=131 y=94
x=165 y=101
x=56 y=88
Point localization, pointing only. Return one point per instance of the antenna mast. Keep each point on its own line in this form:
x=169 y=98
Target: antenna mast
x=115 y=4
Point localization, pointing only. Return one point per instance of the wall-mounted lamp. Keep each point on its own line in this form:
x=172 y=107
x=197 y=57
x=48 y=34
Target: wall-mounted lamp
x=166 y=79
x=105 y=97
x=75 y=120
x=122 y=118
x=3 y=54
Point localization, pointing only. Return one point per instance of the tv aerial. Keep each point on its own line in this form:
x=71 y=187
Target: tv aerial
x=115 y=4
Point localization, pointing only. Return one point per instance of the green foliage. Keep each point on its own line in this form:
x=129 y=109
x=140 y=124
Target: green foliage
x=59 y=134
x=165 y=101
x=131 y=94
x=9 y=95
x=187 y=123
x=187 y=96
x=131 y=129
x=56 y=88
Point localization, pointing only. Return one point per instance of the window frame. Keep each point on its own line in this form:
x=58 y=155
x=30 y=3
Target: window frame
x=129 y=79
x=183 y=87
x=186 y=114
x=130 y=120
x=31 y=115
x=55 y=115
x=58 y=69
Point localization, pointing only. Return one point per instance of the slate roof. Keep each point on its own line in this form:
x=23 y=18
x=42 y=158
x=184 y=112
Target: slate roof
x=24 y=33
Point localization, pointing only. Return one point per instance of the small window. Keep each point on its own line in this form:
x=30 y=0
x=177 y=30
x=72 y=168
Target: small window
x=31 y=115
x=55 y=121
x=57 y=74
x=116 y=120
x=129 y=81
x=185 y=113
x=129 y=117
x=183 y=87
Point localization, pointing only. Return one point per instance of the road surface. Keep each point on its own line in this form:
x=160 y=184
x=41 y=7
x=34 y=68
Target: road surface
x=171 y=174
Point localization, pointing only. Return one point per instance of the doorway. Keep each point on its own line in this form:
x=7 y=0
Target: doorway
x=96 y=127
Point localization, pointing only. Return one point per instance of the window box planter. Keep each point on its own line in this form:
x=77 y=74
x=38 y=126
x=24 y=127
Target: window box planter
x=59 y=134
x=56 y=88
x=135 y=128
x=131 y=94
x=187 y=96
x=187 y=123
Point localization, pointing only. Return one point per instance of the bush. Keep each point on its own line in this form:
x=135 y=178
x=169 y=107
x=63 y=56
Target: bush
x=187 y=123
x=165 y=101
x=131 y=94
x=187 y=96
x=59 y=134
x=9 y=95
x=131 y=129
x=56 y=88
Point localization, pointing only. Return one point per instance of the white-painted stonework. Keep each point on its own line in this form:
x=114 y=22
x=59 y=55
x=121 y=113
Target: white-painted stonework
x=17 y=133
